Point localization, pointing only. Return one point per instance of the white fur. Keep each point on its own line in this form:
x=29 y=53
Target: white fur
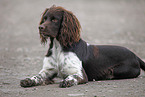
x=70 y=78
x=88 y=44
x=62 y=63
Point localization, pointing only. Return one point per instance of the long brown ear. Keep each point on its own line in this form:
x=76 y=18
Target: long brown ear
x=70 y=29
x=43 y=40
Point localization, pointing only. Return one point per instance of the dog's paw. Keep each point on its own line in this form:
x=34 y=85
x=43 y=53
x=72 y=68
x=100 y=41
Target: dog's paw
x=47 y=82
x=27 y=82
x=65 y=84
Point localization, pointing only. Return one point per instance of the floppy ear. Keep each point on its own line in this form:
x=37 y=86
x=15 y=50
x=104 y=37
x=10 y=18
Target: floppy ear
x=43 y=40
x=70 y=29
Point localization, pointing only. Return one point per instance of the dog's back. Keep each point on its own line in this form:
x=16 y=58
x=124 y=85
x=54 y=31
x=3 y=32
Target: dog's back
x=107 y=62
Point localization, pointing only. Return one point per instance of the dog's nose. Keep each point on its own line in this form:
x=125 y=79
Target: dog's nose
x=41 y=27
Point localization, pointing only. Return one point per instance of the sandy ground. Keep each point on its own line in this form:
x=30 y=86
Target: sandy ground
x=113 y=22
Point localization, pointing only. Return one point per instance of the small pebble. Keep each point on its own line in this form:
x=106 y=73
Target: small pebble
x=34 y=89
x=114 y=86
x=79 y=90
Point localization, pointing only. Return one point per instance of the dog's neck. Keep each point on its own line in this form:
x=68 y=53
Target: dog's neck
x=53 y=45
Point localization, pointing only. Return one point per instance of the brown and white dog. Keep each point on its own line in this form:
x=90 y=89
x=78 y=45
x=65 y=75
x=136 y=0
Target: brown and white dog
x=74 y=60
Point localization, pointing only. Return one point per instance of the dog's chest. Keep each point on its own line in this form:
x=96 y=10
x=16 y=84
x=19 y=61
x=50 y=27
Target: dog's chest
x=63 y=62
x=57 y=52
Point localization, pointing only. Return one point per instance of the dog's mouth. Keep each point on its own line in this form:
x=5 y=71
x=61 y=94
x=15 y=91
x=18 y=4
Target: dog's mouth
x=44 y=36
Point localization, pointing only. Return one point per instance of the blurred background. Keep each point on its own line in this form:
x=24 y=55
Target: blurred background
x=104 y=22
x=111 y=22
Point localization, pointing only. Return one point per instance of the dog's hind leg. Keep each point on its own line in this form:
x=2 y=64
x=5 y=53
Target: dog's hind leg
x=126 y=69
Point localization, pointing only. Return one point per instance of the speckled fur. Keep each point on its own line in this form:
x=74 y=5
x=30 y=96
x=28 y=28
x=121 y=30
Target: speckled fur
x=76 y=61
x=64 y=64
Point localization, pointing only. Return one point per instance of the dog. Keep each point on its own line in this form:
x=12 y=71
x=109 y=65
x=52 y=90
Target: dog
x=75 y=61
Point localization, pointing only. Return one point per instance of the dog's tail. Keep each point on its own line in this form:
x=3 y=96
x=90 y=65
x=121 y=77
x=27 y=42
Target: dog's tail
x=142 y=64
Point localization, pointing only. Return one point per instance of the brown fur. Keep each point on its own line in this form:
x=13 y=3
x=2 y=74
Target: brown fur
x=43 y=40
x=70 y=27
x=70 y=31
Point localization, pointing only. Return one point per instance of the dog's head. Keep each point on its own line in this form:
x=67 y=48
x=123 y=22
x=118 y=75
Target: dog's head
x=57 y=22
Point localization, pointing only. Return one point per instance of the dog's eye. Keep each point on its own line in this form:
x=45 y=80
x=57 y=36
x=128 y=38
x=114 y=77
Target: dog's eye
x=53 y=19
x=45 y=18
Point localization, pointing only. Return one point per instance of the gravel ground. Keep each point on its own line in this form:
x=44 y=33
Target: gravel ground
x=112 y=22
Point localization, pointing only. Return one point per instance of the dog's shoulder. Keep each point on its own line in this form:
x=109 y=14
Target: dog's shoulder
x=81 y=49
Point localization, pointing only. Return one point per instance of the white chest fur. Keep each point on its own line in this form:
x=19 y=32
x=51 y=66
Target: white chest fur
x=62 y=63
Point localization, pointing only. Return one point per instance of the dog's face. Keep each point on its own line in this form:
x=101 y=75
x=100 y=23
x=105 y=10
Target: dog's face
x=56 y=22
x=50 y=23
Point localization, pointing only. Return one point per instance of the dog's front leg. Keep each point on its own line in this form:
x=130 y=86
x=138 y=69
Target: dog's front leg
x=72 y=71
x=45 y=76
x=72 y=80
